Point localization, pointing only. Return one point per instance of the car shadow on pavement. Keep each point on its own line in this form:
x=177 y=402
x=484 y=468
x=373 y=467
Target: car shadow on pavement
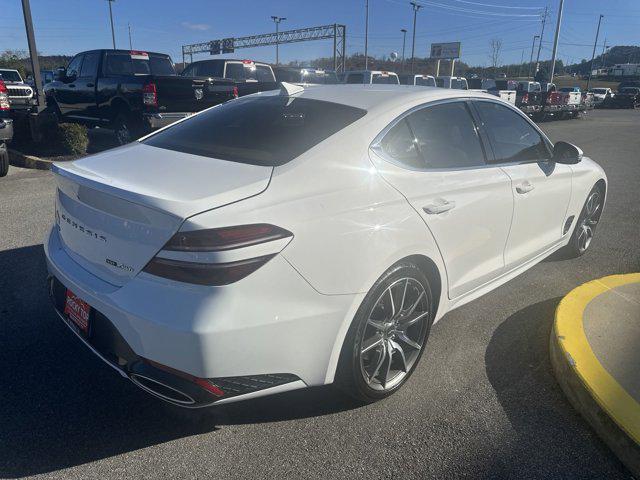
x=60 y=406
x=519 y=369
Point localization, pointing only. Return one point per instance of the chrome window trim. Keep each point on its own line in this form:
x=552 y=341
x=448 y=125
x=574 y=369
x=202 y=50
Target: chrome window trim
x=376 y=146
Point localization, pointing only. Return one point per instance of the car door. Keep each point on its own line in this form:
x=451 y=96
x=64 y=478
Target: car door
x=66 y=93
x=435 y=157
x=86 y=86
x=541 y=188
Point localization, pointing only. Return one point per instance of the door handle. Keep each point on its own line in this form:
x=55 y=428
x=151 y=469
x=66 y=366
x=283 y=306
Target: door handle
x=525 y=187
x=435 y=209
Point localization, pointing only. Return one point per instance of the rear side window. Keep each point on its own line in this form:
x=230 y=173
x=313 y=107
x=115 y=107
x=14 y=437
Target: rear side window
x=513 y=138
x=400 y=145
x=425 y=81
x=124 y=63
x=446 y=136
x=268 y=131
x=263 y=73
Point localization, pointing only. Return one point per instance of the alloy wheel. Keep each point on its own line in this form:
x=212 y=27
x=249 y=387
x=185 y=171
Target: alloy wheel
x=394 y=335
x=589 y=221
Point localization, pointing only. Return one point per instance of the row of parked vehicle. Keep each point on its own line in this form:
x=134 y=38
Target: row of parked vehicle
x=133 y=92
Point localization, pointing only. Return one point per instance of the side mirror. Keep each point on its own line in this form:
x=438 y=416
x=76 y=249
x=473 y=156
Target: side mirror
x=566 y=153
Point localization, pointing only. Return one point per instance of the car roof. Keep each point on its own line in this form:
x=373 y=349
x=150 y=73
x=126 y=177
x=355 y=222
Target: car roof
x=370 y=71
x=380 y=97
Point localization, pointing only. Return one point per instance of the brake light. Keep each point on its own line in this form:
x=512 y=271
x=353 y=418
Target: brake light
x=235 y=92
x=4 y=97
x=150 y=95
x=525 y=98
x=186 y=256
x=247 y=62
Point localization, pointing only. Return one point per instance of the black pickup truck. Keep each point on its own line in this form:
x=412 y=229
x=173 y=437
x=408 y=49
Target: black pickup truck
x=529 y=97
x=6 y=128
x=249 y=76
x=131 y=92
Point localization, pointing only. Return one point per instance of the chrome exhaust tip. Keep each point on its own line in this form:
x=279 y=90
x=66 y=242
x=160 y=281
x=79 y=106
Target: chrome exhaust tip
x=161 y=390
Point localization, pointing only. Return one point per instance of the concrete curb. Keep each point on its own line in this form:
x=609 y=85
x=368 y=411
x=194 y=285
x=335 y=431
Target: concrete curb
x=19 y=159
x=572 y=370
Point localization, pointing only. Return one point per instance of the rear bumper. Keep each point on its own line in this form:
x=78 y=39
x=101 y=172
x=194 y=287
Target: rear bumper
x=530 y=108
x=159 y=120
x=6 y=129
x=271 y=323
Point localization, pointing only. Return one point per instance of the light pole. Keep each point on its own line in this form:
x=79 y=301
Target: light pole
x=366 y=35
x=416 y=7
x=593 y=54
x=404 y=42
x=277 y=21
x=544 y=21
x=130 y=43
x=555 y=42
x=531 y=58
x=605 y=49
x=113 y=35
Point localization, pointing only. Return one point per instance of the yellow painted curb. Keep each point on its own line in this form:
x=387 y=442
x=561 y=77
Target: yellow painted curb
x=623 y=409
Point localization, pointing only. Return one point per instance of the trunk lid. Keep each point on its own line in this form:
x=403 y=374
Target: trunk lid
x=187 y=94
x=117 y=209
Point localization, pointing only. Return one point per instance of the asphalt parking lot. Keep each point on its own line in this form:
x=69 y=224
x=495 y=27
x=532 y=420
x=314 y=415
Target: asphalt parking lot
x=482 y=404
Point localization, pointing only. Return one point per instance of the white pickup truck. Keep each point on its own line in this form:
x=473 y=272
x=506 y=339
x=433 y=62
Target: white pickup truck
x=500 y=89
x=572 y=97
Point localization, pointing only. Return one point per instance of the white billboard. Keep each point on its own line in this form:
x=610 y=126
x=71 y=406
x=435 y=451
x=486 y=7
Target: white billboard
x=445 y=50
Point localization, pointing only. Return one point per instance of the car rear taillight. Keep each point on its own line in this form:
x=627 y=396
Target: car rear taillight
x=150 y=95
x=4 y=97
x=235 y=92
x=525 y=98
x=184 y=257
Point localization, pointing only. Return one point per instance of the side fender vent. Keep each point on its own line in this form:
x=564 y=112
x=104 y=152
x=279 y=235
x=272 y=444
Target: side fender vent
x=567 y=224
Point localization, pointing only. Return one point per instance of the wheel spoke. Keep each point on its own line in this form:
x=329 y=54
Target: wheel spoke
x=375 y=343
x=380 y=362
x=393 y=305
x=415 y=305
x=399 y=349
x=389 y=357
x=405 y=338
x=406 y=323
x=376 y=324
x=404 y=294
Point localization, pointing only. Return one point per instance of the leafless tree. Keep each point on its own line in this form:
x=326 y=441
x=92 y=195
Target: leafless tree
x=496 y=46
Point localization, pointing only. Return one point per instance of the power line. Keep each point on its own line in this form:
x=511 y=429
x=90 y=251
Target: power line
x=497 y=6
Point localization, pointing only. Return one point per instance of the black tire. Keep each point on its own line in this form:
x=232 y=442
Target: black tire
x=577 y=246
x=54 y=110
x=350 y=376
x=4 y=160
x=125 y=129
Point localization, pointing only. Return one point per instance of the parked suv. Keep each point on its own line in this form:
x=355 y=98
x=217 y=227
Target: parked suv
x=20 y=94
x=249 y=76
x=130 y=91
x=6 y=129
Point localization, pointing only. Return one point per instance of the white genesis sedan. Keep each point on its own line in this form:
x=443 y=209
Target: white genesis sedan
x=307 y=236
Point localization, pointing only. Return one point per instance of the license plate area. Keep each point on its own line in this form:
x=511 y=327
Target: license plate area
x=77 y=313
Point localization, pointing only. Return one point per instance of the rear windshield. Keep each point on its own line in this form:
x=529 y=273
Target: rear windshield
x=249 y=71
x=598 y=90
x=268 y=131
x=326 y=78
x=10 y=76
x=460 y=84
x=123 y=63
x=379 y=78
x=425 y=81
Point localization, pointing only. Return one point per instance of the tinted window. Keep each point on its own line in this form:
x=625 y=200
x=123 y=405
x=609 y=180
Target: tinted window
x=382 y=79
x=235 y=71
x=440 y=82
x=74 y=67
x=326 y=78
x=90 y=65
x=513 y=138
x=287 y=75
x=269 y=130
x=355 y=78
x=118 y=64
x=262 y=73
x=122 y=63
x=446 y=136
x=400 y=144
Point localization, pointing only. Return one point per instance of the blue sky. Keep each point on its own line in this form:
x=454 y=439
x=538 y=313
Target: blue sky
x=69 y=26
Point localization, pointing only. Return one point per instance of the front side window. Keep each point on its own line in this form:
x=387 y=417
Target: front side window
x=267 y=131
x=512 y=137
x=73 y=69
x=446 y=136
